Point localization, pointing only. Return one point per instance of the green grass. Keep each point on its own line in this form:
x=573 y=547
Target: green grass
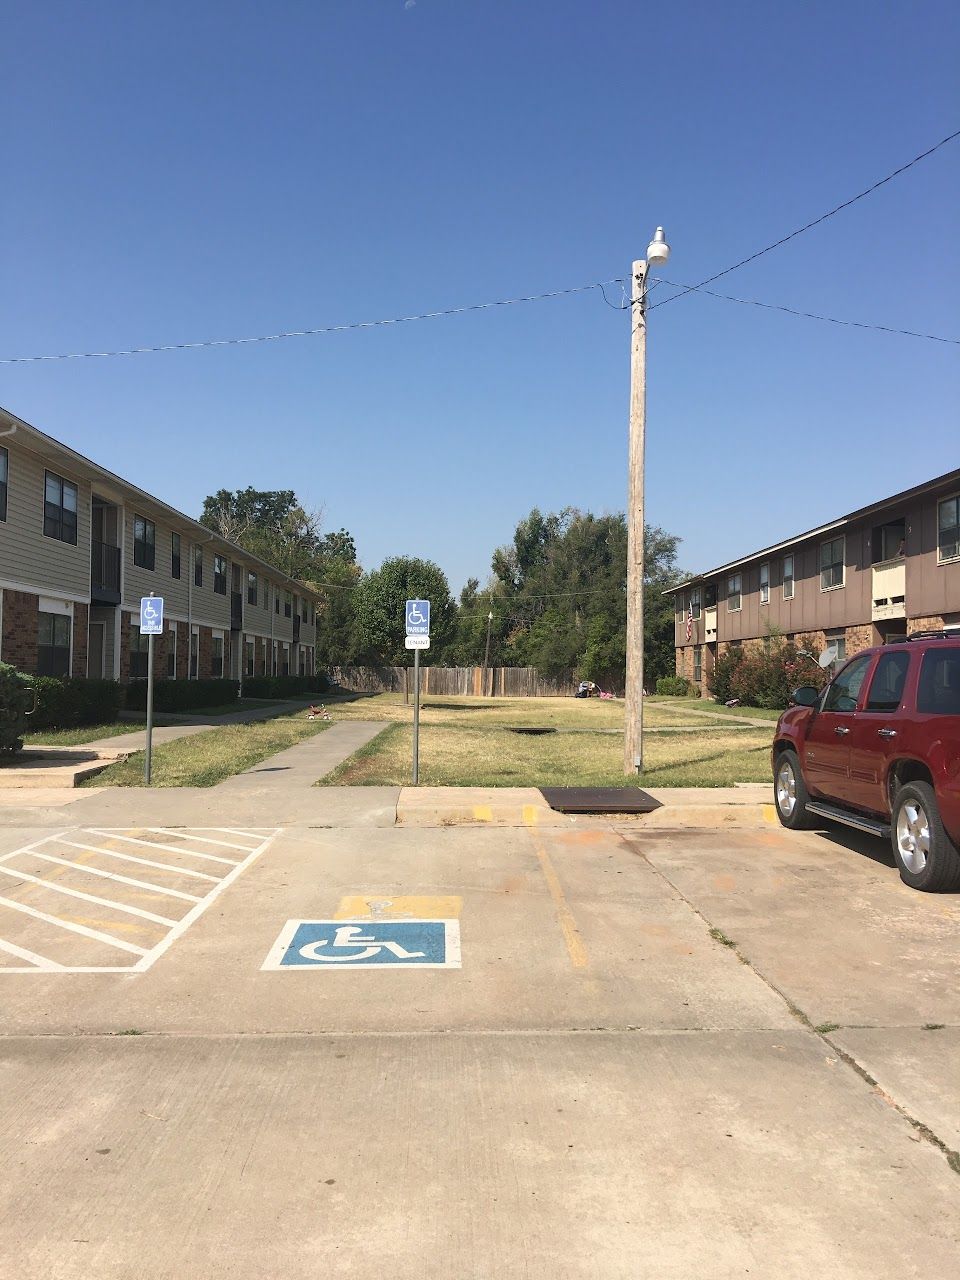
x=205 y=759
x=705 y=704
x=88 y=733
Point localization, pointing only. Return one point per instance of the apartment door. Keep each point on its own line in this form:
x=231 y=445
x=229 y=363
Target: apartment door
x=96 y=649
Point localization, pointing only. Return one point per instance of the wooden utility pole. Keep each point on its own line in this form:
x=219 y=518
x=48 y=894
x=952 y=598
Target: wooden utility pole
x=633 y=714
x=486 y=656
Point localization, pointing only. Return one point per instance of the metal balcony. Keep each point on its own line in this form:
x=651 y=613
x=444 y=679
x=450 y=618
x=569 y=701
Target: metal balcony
x=236 y=610
x=104 y=573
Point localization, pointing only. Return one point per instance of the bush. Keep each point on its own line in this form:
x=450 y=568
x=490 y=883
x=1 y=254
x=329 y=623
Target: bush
x=763 y=679
x=16 y=699
x=64 y=702
x=285 y=686
x=673 y=686
x=181 y=695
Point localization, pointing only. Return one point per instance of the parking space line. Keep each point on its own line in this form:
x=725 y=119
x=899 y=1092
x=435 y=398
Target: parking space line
x=227 y=844
x=568 y=925
x=28 y=848
x=41 y=962
x=113 y=875
x=129 y=857
x=82 y=929
x=170 y=848
x=87 y=897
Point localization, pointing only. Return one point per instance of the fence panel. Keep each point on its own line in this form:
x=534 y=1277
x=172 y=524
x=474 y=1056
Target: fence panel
x=456 y=682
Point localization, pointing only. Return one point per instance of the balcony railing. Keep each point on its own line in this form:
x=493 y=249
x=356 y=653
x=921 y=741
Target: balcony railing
x=104 y=573
x=236 y=611
x=889 y=589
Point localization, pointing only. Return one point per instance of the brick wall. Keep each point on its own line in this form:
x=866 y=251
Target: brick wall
x=19 y=648
x=860 y=638
x=205 y=669
x=930 y=623
x=125 y=630
x=81 y=637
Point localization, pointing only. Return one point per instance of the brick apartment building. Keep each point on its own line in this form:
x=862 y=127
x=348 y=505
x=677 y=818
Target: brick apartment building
x=871 y=577
x=79 y=546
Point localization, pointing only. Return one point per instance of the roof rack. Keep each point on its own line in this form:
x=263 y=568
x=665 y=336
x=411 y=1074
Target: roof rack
x=953 y=633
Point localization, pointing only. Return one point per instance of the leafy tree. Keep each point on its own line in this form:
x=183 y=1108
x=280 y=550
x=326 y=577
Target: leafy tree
x=270 y=523
x=378 y=610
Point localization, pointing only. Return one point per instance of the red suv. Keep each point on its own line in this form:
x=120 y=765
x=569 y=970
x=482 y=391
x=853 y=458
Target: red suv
x=879 y=749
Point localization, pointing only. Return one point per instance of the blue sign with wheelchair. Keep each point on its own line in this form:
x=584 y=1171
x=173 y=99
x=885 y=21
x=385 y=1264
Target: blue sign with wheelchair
x=151 y=615
x=366 y=944
x=418 y=617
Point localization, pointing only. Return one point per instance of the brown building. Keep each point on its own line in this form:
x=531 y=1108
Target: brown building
x=79 y=547
x=867 y=578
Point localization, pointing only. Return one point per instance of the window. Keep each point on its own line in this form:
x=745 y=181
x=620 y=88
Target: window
x=216 y=669
x=53 y=644
x=139 y=653
x=788 y=577
x=837 y=641
x=734 y=586
x=266 y=595
x=4 y=474
x=698 y=662
x=764 y=584
x=220 y=575
x=172 y=652
x=695 y=603
x=285 y=669
x=831 y=564
x=276 y=602
x=287 y=607
x=144 y=543
x=938 y=693
x=948 y=529
x=710 y=595
x=194 y=653
x=60 y=509
x=251 y=588
x=198 y=566
x=248 y=649
x=175 y=555
x=886 y=687
x=843 y=693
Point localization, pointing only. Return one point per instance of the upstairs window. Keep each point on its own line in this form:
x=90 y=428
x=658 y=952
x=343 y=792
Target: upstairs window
x=287 y=605
x=252 y=588
x=60 y=509
x=4 y=472
x=764 y=584
x=276 y=605
x=948 y=529
x=831 y=564
x=144 y=543
x=734 y=592
x=174 y=555
x=695 y=603
x=198 y=566
x=220 y=575
x=53 y=644
x=788 y=577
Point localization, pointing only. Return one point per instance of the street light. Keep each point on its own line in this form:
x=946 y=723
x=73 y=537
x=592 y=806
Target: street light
x=658 y=252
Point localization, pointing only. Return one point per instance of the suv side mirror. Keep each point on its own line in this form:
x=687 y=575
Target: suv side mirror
x=805 y=696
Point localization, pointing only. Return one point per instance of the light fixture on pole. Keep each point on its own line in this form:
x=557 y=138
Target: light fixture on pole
x=658 y=252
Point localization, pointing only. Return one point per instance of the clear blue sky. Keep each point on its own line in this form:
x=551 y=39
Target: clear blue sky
x=188 y=171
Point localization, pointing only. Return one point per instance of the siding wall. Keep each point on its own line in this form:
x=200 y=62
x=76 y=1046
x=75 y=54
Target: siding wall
x=26 y=556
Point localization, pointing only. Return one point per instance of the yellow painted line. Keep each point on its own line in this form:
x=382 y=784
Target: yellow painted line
x=568 y=925
x=769 y=814
x=375 y=906
x=482 y=813
x=531 y=815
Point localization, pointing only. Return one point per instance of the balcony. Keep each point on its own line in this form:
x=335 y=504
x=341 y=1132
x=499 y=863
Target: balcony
x=889 y=589
x=710 y=625
x=104 y=573
x=236 y=610
x=296 y=628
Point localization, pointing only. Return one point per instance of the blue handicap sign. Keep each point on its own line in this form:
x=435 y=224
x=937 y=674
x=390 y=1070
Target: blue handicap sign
x=364 y=944
x=151 y=615
x=418 y=617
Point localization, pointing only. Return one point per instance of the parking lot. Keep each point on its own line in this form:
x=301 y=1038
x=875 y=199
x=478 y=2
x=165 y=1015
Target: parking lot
x=615 y=1050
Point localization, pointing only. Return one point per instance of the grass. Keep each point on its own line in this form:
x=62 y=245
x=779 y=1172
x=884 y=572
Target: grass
x=704 y=704
x=88 y=733
x=205 y=759
x=719 y=936
x=238 y=704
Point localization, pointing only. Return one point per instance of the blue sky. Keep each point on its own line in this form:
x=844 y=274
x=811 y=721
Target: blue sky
x=184 y=171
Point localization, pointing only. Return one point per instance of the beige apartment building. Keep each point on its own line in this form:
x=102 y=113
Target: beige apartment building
x=79 y=547
x=871 y=577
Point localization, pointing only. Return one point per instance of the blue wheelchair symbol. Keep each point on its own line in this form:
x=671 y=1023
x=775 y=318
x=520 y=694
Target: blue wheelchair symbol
x=418 y=617
x=364 y=944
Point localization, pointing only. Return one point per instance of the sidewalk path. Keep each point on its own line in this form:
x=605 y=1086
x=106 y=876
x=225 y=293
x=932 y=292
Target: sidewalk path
x=162 y=733
x=717 y=715
x=302 y=765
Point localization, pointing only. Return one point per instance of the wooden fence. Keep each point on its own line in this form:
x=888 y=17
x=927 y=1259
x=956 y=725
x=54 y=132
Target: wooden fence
x=496 y=682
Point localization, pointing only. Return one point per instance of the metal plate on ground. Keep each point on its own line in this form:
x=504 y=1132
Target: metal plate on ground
x=534 y=729
x=599 y=799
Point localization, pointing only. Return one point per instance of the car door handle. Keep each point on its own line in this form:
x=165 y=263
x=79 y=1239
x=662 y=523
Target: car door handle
x=841 y=730
x=886 y=733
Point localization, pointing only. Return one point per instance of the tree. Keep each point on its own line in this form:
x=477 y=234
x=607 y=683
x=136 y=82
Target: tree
x=271 y=524
x=378 y=610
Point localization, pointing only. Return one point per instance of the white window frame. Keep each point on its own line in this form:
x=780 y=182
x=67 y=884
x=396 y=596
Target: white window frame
x=785 y=578
x=953 y=497
x=765 y=583
x=738 y=577
x=836 y=586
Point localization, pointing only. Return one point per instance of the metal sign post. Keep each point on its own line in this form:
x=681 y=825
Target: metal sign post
x=417 y=620
x=151 y=625
x=416 y=717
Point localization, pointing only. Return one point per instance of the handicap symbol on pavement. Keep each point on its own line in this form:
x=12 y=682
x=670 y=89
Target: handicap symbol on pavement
x=366 y=944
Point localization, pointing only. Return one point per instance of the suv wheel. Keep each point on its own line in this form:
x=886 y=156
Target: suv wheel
x=790 y=792
x=924 y=852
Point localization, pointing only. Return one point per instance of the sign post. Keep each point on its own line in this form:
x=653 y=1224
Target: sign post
x=417 y=616
x=151 y=624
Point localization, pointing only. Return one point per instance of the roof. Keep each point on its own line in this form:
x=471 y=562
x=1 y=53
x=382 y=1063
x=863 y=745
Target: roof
x=946 y=481
x=107 y=481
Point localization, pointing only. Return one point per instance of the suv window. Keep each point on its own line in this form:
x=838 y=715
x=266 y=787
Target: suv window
x=843 y=693
x=886 y=688
x=939 y=691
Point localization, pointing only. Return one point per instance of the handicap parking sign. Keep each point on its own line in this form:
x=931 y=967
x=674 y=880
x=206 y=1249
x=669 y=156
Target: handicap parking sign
x=417 y=617
x=366 y=944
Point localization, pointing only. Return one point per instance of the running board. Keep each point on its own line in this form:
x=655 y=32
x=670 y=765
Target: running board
x=870 y=825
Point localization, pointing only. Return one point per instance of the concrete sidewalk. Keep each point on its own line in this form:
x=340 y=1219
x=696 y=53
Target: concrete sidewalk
x=190 y=725
x=307 y=762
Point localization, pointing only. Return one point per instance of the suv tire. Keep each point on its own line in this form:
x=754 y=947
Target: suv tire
x=790 y=793
x=924 y=853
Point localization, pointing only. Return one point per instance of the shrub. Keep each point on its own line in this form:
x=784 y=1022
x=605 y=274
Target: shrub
x=763 y=679
x=719 y=683
x=16 y=698
x=285 y=686
x=64 y=702
x=673 y=686
x=181 y=695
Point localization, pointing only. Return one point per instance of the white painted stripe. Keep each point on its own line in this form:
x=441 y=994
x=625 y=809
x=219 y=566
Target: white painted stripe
x=233 y=831
x=170 y=848
x=113 y=875
x=86 y=897
x=129 y=857
x=74 y=928
x=26 y=848
x=38 y=962
x=199 y=909
x=189 y=834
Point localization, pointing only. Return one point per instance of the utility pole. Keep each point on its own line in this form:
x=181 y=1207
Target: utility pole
x=486 y=655
x=658 y=251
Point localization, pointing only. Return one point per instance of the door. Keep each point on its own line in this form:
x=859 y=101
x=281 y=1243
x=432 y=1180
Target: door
x=827 y=750
x=874 y=736
x=95 y=650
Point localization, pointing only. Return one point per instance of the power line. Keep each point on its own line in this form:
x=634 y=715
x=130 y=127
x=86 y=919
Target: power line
x=808 y=315
x=815 y=223
x=310 y=333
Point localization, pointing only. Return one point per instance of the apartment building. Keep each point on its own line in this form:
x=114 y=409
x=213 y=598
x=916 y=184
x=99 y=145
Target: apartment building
x=871 y=577
x=79 y=546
